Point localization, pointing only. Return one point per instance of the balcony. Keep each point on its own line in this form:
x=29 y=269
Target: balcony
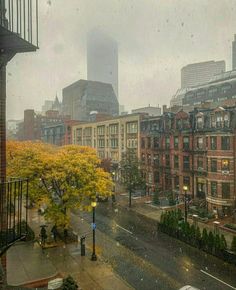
x=18 y=26
x=220 y=201
x=13 y=211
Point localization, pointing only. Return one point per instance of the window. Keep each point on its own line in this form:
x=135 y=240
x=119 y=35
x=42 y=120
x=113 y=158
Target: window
x=132 y=143
x=143 y=143
x=213 y=188
x=149 y=159
x=226 y=120
x=167 y=142
x=176 y=181
x=167 y=160
x=156 y=142
x=200 y=163
x=199 y=143
x=225 y=143
x=186 y=181
x=176 y=161
x=156 y=159
x=179 y=124
x=225 y=190
x=113 y=129
x=143 y=158
x=87 y=131
x=213 y=121
x=186 y=162
x=101 y=154
x=200 y=122
x=132 y=127
x=213 y=143
x=101 y=143
x=149 y=142
x=114 y=143
x=156 y=177
x=186 y=142
x=176 y=142
x=101 y=130
x=213 y=165
x=225 y=164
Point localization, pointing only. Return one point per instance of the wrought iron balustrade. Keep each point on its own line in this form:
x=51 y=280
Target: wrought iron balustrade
x=13 y=212
x=19 y=17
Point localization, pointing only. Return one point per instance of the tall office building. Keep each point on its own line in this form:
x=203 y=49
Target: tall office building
x=83 y=97
x=199 y=73
x=102 y=59
x=234 y=53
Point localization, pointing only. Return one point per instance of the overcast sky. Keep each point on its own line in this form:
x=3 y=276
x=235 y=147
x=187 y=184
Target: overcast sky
x=156 y=38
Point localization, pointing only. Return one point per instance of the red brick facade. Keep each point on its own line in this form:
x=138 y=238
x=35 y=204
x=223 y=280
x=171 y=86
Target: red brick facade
x=195 y=149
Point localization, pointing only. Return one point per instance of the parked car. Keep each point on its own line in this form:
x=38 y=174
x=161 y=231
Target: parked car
x=188 y=287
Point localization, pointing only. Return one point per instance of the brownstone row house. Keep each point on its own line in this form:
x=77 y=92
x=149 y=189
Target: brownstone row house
x=196 y=149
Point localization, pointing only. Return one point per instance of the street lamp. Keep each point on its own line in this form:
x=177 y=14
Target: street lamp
x=94 y=256
x=185 y=188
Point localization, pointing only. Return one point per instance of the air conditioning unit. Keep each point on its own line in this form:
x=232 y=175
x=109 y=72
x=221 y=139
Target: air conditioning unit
x=225 y=171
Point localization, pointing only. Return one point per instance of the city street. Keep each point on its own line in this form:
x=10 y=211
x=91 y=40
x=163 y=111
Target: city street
x=148 y=259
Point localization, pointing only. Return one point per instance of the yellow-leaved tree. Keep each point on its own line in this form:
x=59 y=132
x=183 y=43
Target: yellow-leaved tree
x=63 y=178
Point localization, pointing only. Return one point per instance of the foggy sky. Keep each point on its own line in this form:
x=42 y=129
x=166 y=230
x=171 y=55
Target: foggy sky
x=156 y=39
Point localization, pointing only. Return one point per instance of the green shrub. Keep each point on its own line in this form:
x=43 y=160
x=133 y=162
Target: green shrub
x=69 y=284
x=233 y=245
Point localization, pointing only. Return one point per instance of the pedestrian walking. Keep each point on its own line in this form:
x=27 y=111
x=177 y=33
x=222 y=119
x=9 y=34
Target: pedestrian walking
x=54 y=233
x=43 y=235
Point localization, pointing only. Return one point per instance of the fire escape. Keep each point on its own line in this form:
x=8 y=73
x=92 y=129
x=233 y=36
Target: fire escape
x=18 y=34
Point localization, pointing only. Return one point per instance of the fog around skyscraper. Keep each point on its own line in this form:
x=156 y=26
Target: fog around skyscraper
x=102 y=59
x=155 y=39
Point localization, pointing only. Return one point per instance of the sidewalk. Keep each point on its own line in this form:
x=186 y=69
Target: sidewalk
x=27 y=264
x=143 y=207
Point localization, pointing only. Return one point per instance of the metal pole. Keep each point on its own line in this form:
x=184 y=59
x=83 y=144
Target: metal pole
x=129 y=198
x=94 y=256
x=3 y=122
x=185 y=206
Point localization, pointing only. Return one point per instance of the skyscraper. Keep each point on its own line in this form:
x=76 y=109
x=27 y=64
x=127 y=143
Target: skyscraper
x=234 y=53
x=102 y=59
x=199 y=73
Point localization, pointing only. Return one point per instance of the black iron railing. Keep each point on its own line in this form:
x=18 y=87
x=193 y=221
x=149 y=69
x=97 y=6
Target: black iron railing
x=20 y=17
x=13 y=211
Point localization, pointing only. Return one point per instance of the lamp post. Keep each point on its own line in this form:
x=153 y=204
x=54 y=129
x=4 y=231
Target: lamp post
x=94 y=256
x=185 y=188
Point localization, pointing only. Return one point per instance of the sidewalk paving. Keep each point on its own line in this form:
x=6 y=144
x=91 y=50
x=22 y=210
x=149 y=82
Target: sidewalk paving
x=27 y=264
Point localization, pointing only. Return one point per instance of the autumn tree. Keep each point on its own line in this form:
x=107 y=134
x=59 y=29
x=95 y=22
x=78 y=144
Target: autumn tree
x=63 y=178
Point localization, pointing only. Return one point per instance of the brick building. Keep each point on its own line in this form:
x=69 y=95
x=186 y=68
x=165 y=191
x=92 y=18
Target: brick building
x=196 y=149
x=32 y=127
x=110 y=137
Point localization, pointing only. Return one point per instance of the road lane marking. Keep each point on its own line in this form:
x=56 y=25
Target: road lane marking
x=124 y=229
x=204 y=272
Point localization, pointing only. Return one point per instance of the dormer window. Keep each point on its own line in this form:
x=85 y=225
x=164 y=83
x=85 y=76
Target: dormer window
x=219 y=120
x=226 y=120
x=200 y=122
x=213 y=121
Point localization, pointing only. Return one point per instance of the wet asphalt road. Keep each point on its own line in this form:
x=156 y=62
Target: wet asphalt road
x=148 y=259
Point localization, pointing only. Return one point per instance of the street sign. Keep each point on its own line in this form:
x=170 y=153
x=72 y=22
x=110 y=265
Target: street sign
x=93 y=225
